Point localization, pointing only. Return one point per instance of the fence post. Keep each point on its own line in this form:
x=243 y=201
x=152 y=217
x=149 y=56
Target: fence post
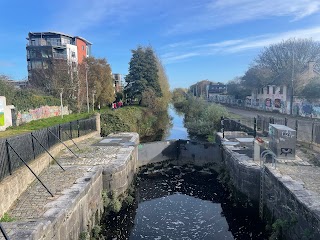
x=222 y=126
x=78 y=128
x=48 y=137
x=9 y=160
x=286 y=121
x=59 y=131
x=296 y=128
x=70 y=129
x=254 y=127
x=34 y=154
x=312 y=131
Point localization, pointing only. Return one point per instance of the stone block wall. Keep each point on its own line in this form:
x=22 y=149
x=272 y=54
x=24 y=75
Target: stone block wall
x=288 y=200
x=182 y=151
x=244 y=175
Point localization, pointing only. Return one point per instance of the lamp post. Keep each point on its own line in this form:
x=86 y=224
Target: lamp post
x=87 y=67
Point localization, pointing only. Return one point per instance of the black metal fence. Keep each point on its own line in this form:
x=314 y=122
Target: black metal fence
x=308 y=131
x=28 y=145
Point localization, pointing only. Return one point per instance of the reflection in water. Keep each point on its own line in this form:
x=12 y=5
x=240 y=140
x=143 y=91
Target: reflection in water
x=180 y=217
x=178 y=202
x=177 y=130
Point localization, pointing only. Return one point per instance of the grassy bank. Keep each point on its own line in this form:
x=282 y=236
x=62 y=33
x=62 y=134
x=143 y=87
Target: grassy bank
x=43 y=123
x=149 y=125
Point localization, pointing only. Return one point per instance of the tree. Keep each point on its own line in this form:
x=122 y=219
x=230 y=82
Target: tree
x=237 y=89
x=312 y=90
x=200 y=88
x=51 y=79
x=6 y=89
x=143 y=73
x=100 y=81
x=164 y=85
x=274 y=65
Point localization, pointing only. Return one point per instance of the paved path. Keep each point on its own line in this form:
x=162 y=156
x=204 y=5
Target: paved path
x=31 y=204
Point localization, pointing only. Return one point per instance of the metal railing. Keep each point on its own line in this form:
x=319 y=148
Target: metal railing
x=30 y=145
x=308 y=131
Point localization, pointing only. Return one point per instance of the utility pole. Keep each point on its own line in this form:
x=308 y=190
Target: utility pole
x=292 y=90
x=86 y=65
x=93 y=100
x=61 y=104
x=292 y=79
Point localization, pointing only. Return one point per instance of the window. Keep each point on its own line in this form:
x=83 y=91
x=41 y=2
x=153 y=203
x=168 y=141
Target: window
x=82 y=47
x=268 y=89
x=73 y=54
x=273 y=90
x=261 y=90
x=281 y=90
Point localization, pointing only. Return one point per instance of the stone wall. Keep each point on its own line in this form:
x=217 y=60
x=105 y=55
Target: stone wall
x=39 y=113
x=79 y=208
x=298 y=208
x=244 y=175
x=182 y=151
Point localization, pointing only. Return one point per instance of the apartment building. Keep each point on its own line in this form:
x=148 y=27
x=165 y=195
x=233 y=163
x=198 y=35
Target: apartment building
x=117 y=82
x=43 y=47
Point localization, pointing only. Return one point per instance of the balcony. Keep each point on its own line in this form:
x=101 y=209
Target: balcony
x=60 y=56
x=46 y=44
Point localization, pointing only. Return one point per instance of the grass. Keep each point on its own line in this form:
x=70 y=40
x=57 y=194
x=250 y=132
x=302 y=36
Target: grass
x=42 y=123
x=6 y=218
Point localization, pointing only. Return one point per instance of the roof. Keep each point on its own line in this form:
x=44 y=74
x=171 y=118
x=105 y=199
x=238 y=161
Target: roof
x=59 y=33
x=50 y=33
x=83 y=39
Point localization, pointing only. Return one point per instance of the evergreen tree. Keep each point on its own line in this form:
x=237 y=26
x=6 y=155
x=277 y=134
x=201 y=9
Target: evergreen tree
x=143 y=74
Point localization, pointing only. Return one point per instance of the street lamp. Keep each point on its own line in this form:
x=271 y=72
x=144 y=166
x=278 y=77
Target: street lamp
x=87 y=67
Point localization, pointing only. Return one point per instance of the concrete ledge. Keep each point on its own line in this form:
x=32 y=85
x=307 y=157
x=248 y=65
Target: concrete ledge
x=11 y=187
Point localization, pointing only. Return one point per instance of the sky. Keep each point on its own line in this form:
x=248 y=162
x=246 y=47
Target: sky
x=215 y=40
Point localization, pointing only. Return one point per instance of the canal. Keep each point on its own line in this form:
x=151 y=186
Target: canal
x=182 y=202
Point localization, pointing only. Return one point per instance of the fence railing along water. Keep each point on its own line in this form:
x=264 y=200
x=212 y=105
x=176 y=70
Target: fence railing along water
x=31 y=145
x=308 y=131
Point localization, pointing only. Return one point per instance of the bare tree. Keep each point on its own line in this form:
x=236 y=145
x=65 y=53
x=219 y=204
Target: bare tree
x=279 y=60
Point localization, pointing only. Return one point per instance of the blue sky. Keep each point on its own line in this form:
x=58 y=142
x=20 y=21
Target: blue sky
x=196 y=40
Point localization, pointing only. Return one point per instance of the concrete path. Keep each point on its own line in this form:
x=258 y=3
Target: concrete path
x=35 y=201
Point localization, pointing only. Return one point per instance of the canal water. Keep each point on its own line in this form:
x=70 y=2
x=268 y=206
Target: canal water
x=182 y=202
x=176 y=129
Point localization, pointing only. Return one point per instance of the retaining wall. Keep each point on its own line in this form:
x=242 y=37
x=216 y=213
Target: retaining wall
x=12 y=186
x=180 y=151
x=288 y=200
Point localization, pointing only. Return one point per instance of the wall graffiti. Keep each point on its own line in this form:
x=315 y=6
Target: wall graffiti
x=268 y=102
x=305 y=108
x=277 y=103
x=39 y=113
x=2 y=106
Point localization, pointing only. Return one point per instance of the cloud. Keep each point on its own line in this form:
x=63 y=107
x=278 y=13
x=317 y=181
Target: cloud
x=217 y=13
x=78 y=15
x=237 y=45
